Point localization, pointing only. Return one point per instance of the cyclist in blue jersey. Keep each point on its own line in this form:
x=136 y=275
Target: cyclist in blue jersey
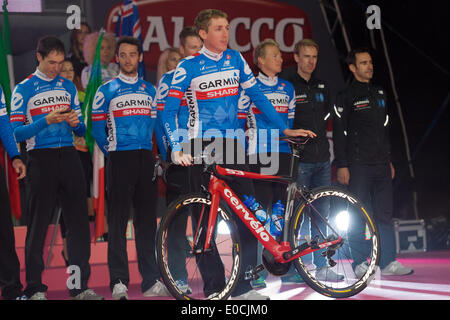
x=10 y=284
x=123 y=119
x=211 y=80
x=267 y=154
x=177 y=176
x=45 y=112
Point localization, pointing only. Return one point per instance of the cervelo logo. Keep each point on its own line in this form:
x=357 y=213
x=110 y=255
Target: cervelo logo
x=250 y=23
x=99 y=99
x=255 y=224
x=16 y=101
x=180 y=75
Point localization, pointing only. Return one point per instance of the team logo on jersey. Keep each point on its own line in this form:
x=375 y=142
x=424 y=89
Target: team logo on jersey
x=320 y=97
x=244 y=102
x=163 y=90
x=16 y=102
x=99 y=99
x=180 y=75
x=3 y=98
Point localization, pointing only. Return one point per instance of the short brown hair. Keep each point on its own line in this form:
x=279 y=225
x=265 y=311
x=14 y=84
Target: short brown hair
x=188 y=31
x=128 y=40
x=305 y=43
x=260 y=50
x=203 y=19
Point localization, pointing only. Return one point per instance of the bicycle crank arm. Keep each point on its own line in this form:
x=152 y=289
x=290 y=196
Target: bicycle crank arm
x=305 y=249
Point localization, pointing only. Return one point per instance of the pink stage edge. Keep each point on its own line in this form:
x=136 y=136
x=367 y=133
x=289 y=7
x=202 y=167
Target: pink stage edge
x=430 y=281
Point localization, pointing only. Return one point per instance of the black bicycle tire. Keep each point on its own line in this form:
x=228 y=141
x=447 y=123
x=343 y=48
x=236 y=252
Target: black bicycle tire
x=163 y=225
x=358 y=286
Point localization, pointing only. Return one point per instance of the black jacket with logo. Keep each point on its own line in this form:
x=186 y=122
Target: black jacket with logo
x=361 y=126
x=312 y=111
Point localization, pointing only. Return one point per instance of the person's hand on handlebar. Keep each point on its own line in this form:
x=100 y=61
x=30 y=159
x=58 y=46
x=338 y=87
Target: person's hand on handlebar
x=182 y=159
x=299 y=132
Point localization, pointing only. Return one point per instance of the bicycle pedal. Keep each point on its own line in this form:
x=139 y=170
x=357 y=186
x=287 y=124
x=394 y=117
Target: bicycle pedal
x=252 y=273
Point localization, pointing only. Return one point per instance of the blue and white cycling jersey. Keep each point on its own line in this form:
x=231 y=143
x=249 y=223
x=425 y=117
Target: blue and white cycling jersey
x=32 y=100
x=210 y=82
x=6 y=133
x=124 y=114
x=262 y=133
x=181 y=118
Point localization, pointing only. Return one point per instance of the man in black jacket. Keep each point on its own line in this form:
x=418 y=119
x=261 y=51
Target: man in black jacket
x=312 y=111
x=363 y=158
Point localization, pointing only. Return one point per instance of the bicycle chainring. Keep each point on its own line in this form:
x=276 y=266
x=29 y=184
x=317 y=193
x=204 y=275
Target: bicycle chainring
x=273 y=267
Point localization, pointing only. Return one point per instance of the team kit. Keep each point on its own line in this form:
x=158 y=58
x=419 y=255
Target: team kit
x=211 y=109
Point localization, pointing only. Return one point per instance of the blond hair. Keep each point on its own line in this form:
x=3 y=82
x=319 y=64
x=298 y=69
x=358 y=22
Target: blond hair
x=203 y=19
x=162 y=62
x=90 y=44
x=260 y=50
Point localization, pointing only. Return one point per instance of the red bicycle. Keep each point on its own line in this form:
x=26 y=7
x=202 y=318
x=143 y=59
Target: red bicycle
x=345 y=236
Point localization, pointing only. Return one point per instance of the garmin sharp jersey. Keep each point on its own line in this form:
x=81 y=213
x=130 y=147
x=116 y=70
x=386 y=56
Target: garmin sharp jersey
x=6 y=133
x=281 y=94
x=32 y=100
x=124 y=114
x=211 y=84
x=181 y=117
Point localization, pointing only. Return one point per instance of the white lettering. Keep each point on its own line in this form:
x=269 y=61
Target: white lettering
x=156 y=27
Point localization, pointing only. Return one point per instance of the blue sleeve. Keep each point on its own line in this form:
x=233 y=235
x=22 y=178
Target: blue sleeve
x=6 y=133
x=248 y=83
x=22 y=131
x=80 y=129
x=161 y=139
x=243 y=109
x=292 y=104
x=180 y=83
x=100 y=108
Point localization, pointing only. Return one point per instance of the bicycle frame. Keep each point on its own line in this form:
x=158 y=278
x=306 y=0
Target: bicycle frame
x=282 y=252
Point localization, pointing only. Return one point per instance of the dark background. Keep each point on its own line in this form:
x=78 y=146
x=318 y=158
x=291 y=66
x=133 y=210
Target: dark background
x=422 y=88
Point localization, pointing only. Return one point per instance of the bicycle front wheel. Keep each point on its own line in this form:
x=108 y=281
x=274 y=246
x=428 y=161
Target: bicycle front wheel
x=342 y=270
x=188 y=271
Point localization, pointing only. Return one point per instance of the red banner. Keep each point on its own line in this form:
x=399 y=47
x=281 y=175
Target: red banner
x=251 y=22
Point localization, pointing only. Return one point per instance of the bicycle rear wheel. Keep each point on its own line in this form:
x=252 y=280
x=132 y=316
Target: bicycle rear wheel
x=187 y=271
x=353 y=263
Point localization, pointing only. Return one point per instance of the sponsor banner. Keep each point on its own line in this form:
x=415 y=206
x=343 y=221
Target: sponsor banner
x=250 y=23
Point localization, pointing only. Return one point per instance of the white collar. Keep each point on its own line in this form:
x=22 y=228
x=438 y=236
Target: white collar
x=128 y=79
x=211 y=55
x=42 y=75
x=268 y=81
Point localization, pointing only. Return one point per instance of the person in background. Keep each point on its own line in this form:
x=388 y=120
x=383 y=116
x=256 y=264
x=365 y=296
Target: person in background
x=312 y=112
x=263 y=140
x=76 y=52
x=110 y=69
x=363 y=158
x=10 y=284
x=68 y=72
x=167 y=61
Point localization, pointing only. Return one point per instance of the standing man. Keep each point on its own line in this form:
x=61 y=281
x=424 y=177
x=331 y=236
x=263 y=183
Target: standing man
x=312 y=113
x=262 y=143
x=363 y=157
x=9 y=262
x=211 y=79
x=123 y=118
x=45 y=111
x=178 y=176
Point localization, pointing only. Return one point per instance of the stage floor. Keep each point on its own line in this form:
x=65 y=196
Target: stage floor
x=430 y=281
